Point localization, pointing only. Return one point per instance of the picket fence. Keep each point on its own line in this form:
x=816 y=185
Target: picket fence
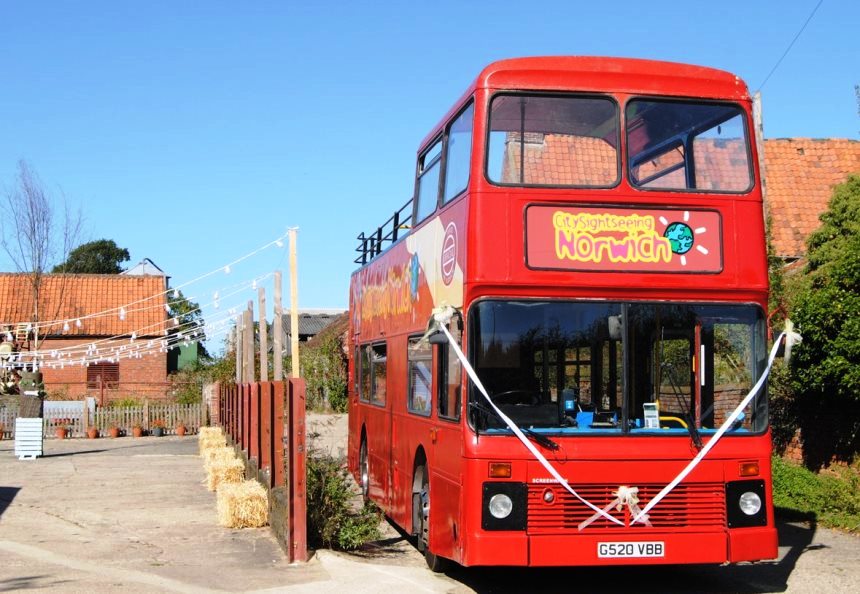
x=77 y=418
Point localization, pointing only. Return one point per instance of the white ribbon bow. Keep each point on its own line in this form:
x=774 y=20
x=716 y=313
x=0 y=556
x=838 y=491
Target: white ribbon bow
x=628 y=496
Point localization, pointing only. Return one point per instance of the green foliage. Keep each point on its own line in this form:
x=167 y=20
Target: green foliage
x=776 y=280
x=332 y=521
x=324 y=369
x=783 y=406
x=102 y=256
x=833 y=498
x=826 y=307
x=187 y=384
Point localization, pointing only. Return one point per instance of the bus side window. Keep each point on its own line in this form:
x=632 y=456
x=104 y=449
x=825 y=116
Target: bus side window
x=420 y=363
x=378 y=370
x=363 y=362
x=427 y=192
x=449 y=378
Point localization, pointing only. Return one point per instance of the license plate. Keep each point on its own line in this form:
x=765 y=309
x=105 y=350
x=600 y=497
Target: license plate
x=616 y=550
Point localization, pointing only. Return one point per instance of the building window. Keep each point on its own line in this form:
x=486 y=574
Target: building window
x=103 y=375
x=420 y=356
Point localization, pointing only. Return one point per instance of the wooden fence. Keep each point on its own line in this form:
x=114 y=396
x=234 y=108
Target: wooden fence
x=77 y=418
x=266 y=422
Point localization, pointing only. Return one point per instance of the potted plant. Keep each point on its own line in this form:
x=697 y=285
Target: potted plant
x=61 y=428
x=113 y=430
x=181 y=429
x=137 y=430
x=2 y=430
x=92 y=432
x=158 y=428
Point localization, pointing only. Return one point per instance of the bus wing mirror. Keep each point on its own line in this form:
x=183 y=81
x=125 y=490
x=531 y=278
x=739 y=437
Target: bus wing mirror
x=438 y=337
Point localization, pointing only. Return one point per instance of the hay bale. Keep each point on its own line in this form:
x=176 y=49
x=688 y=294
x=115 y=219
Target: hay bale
x=217 y=456
x=209 y=438
x=224 y=471
x=243 y=505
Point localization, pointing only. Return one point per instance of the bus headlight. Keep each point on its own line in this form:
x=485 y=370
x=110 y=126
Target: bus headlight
x=500 y=506
x=750 y=503
x=745 y=504
x=504 y=505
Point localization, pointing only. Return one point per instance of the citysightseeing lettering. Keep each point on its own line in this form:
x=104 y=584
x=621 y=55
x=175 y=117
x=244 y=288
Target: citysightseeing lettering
x=390 y=298
x=589 y=237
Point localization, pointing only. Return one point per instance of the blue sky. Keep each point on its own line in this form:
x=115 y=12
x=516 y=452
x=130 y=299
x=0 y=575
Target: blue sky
x=192 y=133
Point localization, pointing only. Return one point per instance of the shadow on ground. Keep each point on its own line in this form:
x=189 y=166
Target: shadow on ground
x=7 y=494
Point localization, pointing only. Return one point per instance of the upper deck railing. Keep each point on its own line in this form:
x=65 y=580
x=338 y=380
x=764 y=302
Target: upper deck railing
x=372 y=244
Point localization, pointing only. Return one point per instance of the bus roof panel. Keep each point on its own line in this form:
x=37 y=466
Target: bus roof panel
x=600 y=74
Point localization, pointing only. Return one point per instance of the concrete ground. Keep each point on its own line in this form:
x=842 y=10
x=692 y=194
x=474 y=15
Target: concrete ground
x=134 y=515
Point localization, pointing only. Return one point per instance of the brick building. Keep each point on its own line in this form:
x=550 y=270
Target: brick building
x=98 y=335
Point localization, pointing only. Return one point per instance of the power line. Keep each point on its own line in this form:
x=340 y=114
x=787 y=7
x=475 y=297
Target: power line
x=790 y=45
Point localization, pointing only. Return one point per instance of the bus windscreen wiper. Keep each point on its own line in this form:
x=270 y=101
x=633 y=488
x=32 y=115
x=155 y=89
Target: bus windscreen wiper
x=539 y=438
x=691 y=425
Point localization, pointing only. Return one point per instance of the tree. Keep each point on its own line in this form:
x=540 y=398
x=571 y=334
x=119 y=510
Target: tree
x=189 y=319
x=826 y=308
x=31 y=235
x=102 y=256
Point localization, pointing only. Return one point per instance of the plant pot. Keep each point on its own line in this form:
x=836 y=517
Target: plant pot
x=113 y=432
x=180 y=430
x=158 y=431
x=137 y=431
x=61 y=432
x=92 y=433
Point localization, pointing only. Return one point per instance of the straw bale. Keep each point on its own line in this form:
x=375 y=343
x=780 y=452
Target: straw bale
x=224 y=471
x=243 y=505
x=217 y=456
x=210 y=437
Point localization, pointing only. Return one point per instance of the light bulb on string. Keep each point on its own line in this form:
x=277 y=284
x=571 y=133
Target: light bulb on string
x=279 y=243
x=78 y=323
x=122 y=313
x=176 y=293
x=66 y=327
x=227 y=269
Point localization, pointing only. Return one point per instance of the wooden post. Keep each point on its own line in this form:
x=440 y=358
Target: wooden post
x=264 y=336
x=248 y=347
x=294 y=305
x=146 y=414
x=238 y=337
x=278 y=331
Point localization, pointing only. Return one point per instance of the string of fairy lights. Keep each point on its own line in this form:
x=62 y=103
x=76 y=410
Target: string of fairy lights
x=182 y=328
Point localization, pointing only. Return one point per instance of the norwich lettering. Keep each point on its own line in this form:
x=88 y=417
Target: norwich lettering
x=588 y=237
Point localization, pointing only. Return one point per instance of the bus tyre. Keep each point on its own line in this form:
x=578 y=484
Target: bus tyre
x=422 y=501
x=364 y=469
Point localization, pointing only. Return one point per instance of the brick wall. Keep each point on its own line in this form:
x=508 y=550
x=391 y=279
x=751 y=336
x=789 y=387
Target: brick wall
x=140 y=378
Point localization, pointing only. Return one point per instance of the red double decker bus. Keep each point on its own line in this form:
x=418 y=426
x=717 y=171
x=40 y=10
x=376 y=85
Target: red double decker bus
x=558 y=345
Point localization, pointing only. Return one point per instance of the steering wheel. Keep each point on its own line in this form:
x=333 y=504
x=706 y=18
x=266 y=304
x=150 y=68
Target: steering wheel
x=517 y=397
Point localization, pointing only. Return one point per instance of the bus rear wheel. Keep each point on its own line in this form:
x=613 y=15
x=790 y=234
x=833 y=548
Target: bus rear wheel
x=364 y=469
x=421 y=501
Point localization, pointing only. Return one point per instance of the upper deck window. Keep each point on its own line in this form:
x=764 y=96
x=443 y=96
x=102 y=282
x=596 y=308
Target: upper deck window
x=428 y=182
x=676 y=145
x=540 y=140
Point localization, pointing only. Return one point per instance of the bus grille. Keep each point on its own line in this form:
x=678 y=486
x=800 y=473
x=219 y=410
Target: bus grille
x=698 y=505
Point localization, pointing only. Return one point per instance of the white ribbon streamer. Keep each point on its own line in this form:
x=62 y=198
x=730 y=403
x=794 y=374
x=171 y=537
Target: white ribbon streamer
x=791 y=337
x=443 y=316
x=628 y=496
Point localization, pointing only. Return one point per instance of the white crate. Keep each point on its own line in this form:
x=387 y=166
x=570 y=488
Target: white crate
x=28 y=438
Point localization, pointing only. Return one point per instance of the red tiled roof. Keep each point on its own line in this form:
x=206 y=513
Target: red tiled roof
x=800 y=174
x=73 y=296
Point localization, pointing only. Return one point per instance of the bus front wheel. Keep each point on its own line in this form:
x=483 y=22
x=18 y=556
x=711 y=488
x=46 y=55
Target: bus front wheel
x=421 y=513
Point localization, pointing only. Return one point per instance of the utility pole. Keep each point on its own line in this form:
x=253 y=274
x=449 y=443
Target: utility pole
x=278 y=331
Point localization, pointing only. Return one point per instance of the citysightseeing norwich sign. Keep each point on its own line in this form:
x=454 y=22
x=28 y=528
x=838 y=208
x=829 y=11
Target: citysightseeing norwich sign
x=623 y=239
